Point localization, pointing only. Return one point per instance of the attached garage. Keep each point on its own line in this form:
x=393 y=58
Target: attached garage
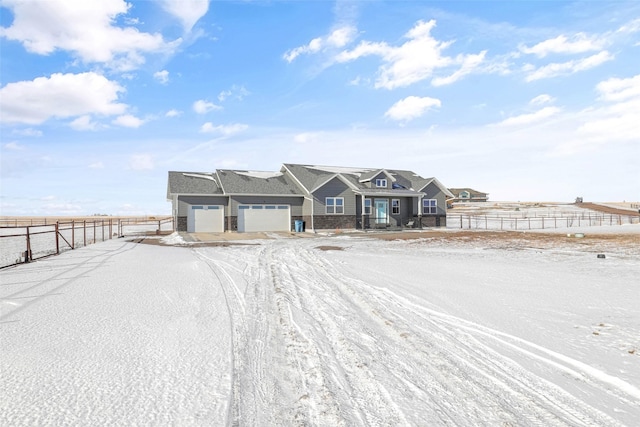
x=264 y=217
x=205 y=218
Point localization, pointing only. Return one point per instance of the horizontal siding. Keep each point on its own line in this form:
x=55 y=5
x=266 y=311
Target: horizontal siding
x=433 y=192
x=185 y=201
x=334 y=188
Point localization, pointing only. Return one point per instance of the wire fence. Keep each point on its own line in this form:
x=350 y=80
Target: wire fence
x=38 y=238
x=499 y=222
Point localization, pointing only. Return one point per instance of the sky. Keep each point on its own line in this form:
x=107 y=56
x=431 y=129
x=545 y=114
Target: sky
x=526 y=101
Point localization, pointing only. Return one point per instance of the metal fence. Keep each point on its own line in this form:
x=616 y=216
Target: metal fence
x=497 y=222
x=39 y=238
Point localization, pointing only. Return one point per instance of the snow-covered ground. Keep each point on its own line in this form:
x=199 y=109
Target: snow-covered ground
x=326 y=331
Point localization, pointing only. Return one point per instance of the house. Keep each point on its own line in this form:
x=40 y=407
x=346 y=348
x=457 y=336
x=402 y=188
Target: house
x=324 y=197
x=468 y=195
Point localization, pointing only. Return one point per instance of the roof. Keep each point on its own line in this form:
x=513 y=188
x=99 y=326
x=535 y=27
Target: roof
x=192 y=183
x=297 y=180
x=239 y=182
x=474 y=193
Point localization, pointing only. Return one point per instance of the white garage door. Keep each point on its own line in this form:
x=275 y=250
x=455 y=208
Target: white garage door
x=264 y=218
x=204 y=218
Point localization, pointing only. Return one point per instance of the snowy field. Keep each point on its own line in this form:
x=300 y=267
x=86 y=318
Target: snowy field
x=344 y=330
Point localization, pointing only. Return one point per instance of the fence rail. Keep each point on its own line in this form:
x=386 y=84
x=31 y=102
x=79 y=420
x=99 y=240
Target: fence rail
x=26 y=241
x=488 y=222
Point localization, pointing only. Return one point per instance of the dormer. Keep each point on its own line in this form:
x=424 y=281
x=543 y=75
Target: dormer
x=380 y=178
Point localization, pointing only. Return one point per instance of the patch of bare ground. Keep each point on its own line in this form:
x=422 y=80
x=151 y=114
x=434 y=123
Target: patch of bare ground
x=627 y=243
x=607 y=209
x=159 y=242
x=330 y=248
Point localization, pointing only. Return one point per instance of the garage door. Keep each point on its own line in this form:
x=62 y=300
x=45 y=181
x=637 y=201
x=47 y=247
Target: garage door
x=204 y=218
x=264 y=218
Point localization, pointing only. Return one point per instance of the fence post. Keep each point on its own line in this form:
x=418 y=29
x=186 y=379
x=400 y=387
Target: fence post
x=27 y=254
x=84 y=228
x=110 y=228
x=102 y=229
x=73 y=234
x=94 y=231
x=57 y=239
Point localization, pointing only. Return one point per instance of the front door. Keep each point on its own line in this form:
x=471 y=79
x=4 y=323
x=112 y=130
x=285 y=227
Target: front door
x=382 y=211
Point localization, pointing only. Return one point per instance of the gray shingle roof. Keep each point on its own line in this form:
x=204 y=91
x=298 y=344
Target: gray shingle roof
x=252 y=182
x=192 y=183
x=238 y=182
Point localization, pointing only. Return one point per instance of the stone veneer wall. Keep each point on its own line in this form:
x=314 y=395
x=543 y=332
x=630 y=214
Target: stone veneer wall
x=182 y=223
x=434 y=221
x=332 y=222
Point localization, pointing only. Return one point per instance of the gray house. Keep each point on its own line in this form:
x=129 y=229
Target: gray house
x=324 y=197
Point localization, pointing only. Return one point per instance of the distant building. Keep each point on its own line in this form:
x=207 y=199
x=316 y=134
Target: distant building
x=467 y=195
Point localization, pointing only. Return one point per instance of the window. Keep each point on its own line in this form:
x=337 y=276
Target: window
x=395 y=207
x=381 y=183
x=367 y=206
x=335 y=205
x=197 y=207
x=429 y=206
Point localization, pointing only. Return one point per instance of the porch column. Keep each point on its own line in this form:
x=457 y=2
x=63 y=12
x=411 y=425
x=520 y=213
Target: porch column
x=362 y=212
x=420 y=211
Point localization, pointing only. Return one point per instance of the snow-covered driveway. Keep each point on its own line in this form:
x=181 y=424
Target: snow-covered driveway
x=285 y=332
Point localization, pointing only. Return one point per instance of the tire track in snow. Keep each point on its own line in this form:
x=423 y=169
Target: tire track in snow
x=486 y=373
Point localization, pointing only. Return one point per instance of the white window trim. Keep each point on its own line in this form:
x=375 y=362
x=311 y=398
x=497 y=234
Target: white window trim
x=427 y=208
x=381 y=182
x=393 y=208
x=334 y=205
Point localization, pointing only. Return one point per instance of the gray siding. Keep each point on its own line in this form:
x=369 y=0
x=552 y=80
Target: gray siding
x=185 y=201
x=433 y=192
x=334 y=188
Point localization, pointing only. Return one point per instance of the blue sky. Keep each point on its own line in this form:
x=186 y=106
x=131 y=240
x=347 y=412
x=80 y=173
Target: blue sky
x=530 y=101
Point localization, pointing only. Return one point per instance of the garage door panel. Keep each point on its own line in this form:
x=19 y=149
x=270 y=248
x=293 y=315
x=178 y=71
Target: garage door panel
x=264 y=218
x=206 y=219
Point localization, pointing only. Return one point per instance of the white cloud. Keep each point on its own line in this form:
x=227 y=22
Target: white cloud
x=338 y=38
x=96 y=165
x=411 y=108
x=141 y=162
x=569 y=67
x=307 y=137
x=128 y=121
x=14 y=146
x=29 y=132
x=469 y=63
x=84 y=123
x=542 y=99
x=530 y=118
x=616 y=89
x=173 y=113
x=61 y=95
x=162 y=76
x=617 y=120
x=202 y=107
x=236 y=92
x=579 y=43
x=225 y=130
x=84 y=28
x=187 y=11
x=415 y=60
